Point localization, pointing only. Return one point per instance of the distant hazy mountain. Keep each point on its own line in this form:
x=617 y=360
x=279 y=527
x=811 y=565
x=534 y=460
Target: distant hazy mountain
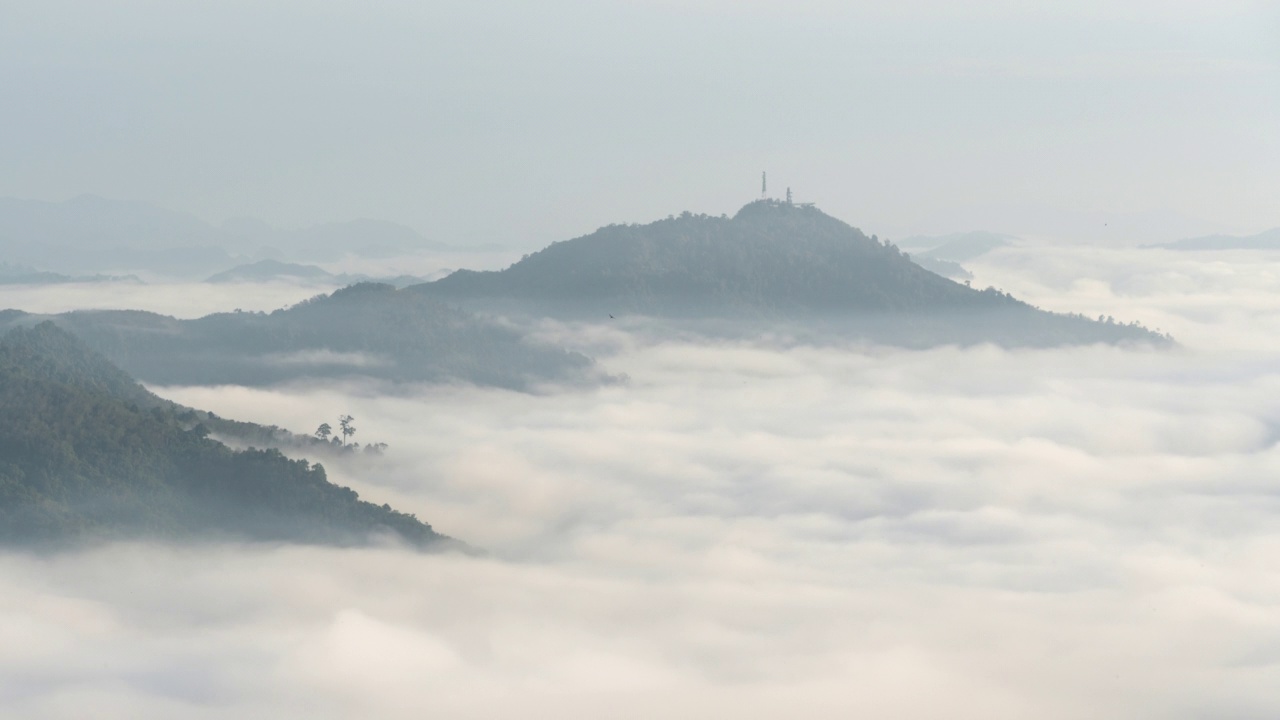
x=1267 y=240
x=85 y=453
x=270 y=270
x=92 y=221
x=331 y=241
x=265 y=270
x=94 y=234
x=90 y=234
x=364 y=237
x=945 y=268
x=956 y=247
x=942 y=254
x=771 y=262
x=365 y=330
x=23 y=275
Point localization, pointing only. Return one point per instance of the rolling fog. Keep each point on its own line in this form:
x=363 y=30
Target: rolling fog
x=743 y=530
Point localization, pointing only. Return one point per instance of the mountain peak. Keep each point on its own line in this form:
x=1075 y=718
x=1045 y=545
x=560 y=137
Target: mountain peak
x=773 y=261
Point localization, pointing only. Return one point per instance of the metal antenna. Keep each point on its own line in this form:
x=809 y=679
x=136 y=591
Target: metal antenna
x=764 y=185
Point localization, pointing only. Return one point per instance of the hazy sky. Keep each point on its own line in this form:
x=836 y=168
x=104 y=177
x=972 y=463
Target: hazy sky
x=523 y=122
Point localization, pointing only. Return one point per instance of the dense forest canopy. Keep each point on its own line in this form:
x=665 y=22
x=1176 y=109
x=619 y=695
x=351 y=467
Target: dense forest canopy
x=86 y=453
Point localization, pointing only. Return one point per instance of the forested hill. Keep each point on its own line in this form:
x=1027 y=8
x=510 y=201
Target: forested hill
x=769 y=257
x=366 y=330
x=771 y=261
x=87 y=454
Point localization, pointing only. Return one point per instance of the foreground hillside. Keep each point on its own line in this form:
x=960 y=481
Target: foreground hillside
x=86 y=453
x=365 y=330
x=772 y=261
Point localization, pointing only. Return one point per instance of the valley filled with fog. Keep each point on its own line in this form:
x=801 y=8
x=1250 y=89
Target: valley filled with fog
x=760 y=528
x=639 y=359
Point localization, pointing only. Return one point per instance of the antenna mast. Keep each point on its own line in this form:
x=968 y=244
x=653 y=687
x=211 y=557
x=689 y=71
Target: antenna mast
x=764 y=185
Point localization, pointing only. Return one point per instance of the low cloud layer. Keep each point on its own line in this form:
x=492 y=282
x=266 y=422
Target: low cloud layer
x=181 y=300
x=192 y=300
x=745 y=530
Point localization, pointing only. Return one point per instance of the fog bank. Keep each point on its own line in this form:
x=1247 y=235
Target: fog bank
x=745 y=529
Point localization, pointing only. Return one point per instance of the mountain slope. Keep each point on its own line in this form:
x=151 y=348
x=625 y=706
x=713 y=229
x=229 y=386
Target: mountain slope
x=771 y=262
x=365 y=330
x=770 y=257
x=85 y=453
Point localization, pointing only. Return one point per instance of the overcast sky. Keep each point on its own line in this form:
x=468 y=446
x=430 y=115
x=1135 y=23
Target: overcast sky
x=524 y=122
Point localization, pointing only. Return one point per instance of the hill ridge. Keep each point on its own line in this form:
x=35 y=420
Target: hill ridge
x=773 y=262
x=363 y=330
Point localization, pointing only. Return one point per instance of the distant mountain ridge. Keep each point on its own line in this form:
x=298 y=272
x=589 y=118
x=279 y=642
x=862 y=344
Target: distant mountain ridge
x=772 y=261
x=946 y=268
x=943 y=254
x=271 y=270
x=23 y=275
x=89 y=220
x=91 y=234
x=1266 y=240
x=956 y=247
x=87 y=454
x=364 y=236
x=365 y=330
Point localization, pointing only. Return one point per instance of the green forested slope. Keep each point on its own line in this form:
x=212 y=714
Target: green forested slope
x=85 y=453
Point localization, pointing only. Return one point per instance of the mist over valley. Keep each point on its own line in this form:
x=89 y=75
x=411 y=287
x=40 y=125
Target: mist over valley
x=639 y=360
x=754 y=522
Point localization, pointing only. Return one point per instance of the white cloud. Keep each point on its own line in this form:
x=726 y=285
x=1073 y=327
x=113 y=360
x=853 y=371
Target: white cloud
x=182 y=300
x=745 y=530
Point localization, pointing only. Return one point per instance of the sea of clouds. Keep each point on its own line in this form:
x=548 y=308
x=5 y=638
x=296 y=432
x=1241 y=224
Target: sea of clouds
x=745 y=530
